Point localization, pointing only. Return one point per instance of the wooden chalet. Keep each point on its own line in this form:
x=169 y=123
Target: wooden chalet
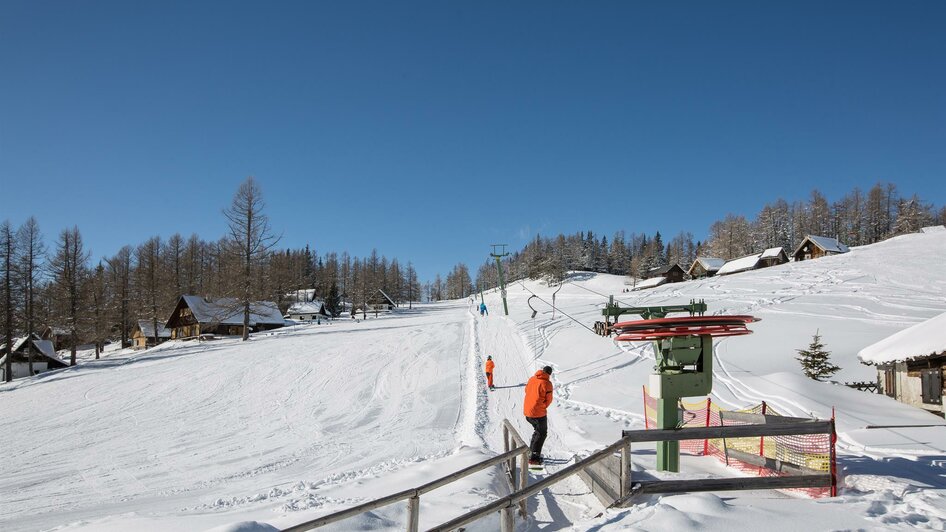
x=705 y=267
x=378 y=302
x=314 y=310
x=769 y=257
x=815 y=247
x=910 y=364
x=59 y=336
x=195 y=315
x=143 y=336
x=673 y=273
x=43 y=354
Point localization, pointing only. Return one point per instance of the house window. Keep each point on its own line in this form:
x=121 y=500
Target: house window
x=931 y=381
x=890 y=382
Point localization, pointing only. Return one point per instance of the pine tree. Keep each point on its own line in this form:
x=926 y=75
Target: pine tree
x=815 y=360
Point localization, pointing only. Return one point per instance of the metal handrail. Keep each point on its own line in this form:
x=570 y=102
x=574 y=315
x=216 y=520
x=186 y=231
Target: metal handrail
x=509 y=501
x=412 y=495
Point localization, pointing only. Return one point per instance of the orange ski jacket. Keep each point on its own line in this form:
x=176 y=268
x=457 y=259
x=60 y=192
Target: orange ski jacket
x=538 y=395
x=490 y=366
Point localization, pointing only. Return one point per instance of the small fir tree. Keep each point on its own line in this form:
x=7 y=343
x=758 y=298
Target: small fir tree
x=814 y=360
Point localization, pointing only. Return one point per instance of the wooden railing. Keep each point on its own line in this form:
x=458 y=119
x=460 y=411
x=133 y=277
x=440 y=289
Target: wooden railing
x=412 y=496
x=625 y=490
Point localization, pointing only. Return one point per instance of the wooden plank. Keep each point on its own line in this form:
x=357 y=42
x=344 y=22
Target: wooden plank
x=599 y=489
x=606 y=475
x=773 y=464
x=758 y=419
x=737 y=431
x=733 y=484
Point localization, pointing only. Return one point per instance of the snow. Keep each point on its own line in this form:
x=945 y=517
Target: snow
x=650 y=283
x=739 y=265
x=147 y=329
x=309 y=307
x=933 y=229
x=921 y=340
x=305 y=420
x=711 y=264
x=229 y=311
x=771 y=253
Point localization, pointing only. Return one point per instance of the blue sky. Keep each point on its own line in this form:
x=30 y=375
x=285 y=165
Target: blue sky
x=429 y=130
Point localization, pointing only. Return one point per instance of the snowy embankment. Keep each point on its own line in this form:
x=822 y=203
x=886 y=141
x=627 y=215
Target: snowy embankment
x=313 y=419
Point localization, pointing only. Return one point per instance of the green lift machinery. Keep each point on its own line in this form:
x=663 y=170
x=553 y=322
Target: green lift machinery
x=683 y=350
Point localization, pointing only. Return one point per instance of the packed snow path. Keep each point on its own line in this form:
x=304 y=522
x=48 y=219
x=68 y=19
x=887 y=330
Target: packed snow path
x=188 y=429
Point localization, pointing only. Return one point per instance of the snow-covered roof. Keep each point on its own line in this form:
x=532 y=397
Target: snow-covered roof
x=740 y=265
x=771 y=253
x=830 y=245
x=934 y=229
x=710 y=264
x=44 y=347
x=650 y=283
x=229 y=311
x=921 y=340
x=147 y=329
x=310 y=307
x=391 y=301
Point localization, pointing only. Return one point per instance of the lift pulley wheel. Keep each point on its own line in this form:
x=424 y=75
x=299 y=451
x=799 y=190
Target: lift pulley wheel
x=715 y=326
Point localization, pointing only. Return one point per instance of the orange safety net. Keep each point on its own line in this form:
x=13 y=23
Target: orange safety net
x=812 y=452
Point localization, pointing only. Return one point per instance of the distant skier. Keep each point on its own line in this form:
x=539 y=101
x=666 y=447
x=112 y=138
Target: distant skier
x=538 y=399
x=483 y=311
x=489 y=372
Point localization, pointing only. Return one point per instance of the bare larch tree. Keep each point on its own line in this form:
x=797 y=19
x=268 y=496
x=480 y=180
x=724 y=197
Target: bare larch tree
x=251 y=239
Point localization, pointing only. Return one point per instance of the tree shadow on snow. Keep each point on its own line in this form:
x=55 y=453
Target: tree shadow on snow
x=921 y=471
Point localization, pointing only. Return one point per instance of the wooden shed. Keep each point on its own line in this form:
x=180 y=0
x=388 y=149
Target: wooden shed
x=705 y=267
x=769 y=257
x=910 y=364
x=143 y=336
x=314 y=310
x=195 y=315
x=814 y=247
x=42 y=352
x=673 y=273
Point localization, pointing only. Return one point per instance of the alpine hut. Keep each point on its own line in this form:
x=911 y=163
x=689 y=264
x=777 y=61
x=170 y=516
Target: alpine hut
x=910 y=364
x=814 y=247
x=42 y=352
x=705 y=267
x=143 y=336
x=195 y=315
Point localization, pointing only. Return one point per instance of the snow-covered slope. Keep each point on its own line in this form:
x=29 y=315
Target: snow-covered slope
x=312 y=419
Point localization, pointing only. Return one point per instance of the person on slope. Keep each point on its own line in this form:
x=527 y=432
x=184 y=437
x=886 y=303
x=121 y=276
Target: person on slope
x=489 y=372
x=538 y=399
x=483 y=311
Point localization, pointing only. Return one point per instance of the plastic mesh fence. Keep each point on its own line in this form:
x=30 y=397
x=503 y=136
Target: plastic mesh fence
x=810 y=452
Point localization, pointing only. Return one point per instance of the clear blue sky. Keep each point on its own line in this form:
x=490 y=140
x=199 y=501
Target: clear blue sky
x=431 y=130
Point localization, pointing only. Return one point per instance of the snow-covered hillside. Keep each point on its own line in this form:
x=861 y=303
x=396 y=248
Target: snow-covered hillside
x=312 y=419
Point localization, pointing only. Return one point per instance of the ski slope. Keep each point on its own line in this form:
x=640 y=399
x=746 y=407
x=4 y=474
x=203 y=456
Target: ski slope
x=304 y=421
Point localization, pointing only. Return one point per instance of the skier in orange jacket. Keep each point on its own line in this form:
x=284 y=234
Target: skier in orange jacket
x=538 y=399
x=489 y=372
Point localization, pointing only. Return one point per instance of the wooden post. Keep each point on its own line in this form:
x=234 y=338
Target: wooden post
x=762 y=438
x=507 y=521
x=523 y=481
x=834 y=458
x=626 y=470
x=646 y=423
x=413 y=513
x=709 y=403
x=510 y=465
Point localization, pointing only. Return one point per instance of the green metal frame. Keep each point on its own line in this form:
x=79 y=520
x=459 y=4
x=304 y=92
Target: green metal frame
x=684 y=369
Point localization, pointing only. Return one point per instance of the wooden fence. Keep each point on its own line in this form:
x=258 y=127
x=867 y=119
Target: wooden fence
x=608 y=472
x=514 y=447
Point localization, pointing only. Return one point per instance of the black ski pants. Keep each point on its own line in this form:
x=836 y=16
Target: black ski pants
x=541 y=426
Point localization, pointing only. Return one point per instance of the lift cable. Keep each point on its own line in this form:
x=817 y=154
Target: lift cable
x=549 y=304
